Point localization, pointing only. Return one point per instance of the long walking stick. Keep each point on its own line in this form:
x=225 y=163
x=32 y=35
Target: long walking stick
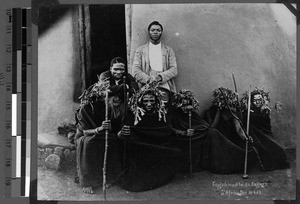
x=190 y=127
x=235 y=89
x=234 y=82
x=245 y=176
x=125 y=108
x=254 y=148
x=106 y=145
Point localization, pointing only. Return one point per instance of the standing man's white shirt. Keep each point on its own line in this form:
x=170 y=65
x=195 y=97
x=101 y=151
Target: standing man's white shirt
x=155 y=58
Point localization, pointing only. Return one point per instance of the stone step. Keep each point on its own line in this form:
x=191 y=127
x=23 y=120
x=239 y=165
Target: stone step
x=55 y=151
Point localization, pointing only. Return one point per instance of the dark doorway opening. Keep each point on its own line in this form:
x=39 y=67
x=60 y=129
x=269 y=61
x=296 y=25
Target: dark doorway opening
x=107 y=38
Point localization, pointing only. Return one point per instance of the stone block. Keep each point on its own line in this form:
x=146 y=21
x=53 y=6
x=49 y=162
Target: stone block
x=49 y=151
x=67 y=152
x=58 y=151
x=52 y=162
x=69 y=157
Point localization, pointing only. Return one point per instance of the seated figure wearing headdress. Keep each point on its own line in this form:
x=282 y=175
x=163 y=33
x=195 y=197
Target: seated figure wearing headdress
x=272 y=155
x=151 y=160
x=224 y=145
x=188 y=127
x=90 y=135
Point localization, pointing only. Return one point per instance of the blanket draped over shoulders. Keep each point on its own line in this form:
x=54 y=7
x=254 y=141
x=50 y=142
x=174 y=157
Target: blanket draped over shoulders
x=273 y=156
x=223 y=150
x=90 y=149
x=152 y=160
x=180 y=121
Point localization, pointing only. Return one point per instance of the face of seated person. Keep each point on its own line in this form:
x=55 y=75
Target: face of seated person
x=117 y=70
x=185 y=103
x=149 y=103
x=257 y=100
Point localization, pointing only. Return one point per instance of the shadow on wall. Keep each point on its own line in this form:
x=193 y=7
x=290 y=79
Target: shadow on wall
x=58 y=66
x=49 y=15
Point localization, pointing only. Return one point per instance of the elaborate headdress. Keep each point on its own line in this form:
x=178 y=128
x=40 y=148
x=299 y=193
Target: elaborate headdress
x=136 y=102
x=185 y=95
x=266 y=101
x=95 y=92
x=219 y=96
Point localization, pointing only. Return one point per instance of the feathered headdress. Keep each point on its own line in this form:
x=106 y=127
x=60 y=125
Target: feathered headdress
x=136 y=106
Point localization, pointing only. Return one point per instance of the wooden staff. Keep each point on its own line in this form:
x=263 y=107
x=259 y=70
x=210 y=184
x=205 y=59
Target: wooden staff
x=234 y=82
x=254 y=148
x=125 y=109
x=245 y=176
x=239 y=110
x=235 y=89
x=106 y=145
x=190 y=127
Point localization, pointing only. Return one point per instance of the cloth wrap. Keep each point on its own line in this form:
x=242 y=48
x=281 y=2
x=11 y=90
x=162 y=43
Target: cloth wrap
x=270 y=151
x=151 y=159
x=180 y=121
x=223 y=149
x=90 y=149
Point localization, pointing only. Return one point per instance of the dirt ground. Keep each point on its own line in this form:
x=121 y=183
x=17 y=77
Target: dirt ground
x=274 y=185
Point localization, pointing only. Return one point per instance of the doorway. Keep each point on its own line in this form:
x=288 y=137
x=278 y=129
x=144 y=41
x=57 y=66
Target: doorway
x=107 y=37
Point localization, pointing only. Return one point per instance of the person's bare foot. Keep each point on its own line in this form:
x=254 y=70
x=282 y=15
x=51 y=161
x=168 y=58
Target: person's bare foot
x=88 y=190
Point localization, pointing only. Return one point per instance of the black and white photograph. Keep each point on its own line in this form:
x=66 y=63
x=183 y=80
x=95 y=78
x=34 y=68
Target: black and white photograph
x=140 y=102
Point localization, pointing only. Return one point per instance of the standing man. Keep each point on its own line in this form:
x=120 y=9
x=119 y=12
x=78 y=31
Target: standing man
x=155 y=61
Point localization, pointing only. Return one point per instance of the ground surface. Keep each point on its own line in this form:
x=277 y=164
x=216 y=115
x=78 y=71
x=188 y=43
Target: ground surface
x=278 y=185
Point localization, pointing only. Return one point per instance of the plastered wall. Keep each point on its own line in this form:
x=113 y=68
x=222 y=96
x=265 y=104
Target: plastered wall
x=58 y=73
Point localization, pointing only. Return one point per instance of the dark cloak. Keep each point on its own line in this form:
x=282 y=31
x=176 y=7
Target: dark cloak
x=90 y=149
x=223 y=150
x=180 y=121
x=151 y=159
x=271 y=153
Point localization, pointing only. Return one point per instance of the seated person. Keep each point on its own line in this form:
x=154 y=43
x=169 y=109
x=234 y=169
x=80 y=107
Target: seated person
x=151 y=160
x=117 y=76
x=90 y=136
x=178 y=118
x=224 y=145
x=271 y=153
